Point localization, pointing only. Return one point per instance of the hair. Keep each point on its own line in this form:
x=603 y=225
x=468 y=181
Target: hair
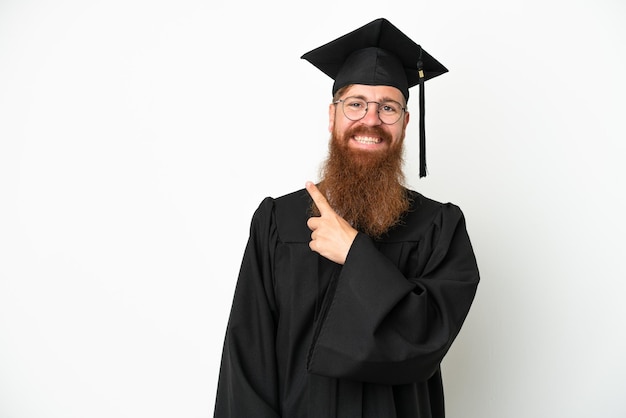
x=341 y=91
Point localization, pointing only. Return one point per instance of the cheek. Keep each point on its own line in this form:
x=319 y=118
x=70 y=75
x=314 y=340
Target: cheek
x=399 y=136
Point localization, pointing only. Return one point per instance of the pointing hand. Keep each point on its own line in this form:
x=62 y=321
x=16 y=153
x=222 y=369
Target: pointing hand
x=331 y=235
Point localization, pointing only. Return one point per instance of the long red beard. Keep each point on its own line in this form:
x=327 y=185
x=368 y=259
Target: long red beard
x=365 y=187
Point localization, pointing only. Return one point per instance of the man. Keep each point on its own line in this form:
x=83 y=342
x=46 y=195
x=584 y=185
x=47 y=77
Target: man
x=351 y=291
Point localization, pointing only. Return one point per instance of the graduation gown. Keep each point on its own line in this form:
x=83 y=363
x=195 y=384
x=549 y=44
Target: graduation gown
x=310 y=338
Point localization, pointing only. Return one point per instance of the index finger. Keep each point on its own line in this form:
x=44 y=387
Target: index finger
x=318 y=198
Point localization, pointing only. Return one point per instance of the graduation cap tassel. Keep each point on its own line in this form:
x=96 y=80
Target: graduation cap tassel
x=420 y=68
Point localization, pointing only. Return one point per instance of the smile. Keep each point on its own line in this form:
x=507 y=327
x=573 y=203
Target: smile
x=367 y=139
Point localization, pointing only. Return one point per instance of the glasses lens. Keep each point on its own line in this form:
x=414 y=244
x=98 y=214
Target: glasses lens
x=354 y=108
x=389 y=112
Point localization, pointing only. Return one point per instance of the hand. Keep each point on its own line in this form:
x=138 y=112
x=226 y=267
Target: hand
x=332 y=235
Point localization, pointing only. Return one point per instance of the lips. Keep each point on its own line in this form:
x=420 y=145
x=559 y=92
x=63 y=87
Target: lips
x=369 y=135
x=367 y=139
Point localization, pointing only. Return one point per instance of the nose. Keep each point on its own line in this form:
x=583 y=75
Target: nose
x=371 y=117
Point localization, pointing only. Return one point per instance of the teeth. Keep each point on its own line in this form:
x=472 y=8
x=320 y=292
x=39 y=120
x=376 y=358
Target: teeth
x=367 y=140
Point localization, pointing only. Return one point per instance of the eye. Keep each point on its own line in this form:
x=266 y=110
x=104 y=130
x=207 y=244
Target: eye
x=389 y=108
x=355 y=104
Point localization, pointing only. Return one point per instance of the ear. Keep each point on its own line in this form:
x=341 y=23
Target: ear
x=405 y=122
x=332 y=108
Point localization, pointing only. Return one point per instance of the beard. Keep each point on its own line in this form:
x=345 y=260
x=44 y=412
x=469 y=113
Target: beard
x=365 y=187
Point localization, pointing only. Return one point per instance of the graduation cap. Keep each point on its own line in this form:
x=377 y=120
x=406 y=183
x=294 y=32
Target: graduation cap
x=379 y=54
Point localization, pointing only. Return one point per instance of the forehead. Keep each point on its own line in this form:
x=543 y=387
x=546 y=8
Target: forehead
x=375 y=92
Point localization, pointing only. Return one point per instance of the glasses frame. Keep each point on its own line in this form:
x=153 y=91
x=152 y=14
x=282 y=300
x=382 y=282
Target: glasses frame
x=367 y=107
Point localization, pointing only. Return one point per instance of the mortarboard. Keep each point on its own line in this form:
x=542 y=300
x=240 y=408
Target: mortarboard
x=379 y=54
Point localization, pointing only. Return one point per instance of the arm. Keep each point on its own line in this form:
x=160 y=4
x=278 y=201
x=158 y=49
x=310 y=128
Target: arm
x=383 y=327
x=247 y=384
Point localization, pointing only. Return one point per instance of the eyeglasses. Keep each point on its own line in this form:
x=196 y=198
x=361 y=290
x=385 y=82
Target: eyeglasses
x=355 y=109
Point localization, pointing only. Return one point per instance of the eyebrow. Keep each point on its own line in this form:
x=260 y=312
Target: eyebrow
x=382 y=100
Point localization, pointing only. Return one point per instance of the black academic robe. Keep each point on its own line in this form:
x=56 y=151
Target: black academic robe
x=313 y=339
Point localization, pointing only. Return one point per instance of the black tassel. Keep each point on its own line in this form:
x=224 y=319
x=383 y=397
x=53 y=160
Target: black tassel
x=420 y=67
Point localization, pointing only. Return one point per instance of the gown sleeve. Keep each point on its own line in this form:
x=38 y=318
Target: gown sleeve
x=248 y=385
x=382 y=327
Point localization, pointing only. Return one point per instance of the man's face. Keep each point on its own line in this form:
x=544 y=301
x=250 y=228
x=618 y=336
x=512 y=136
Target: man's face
x=368 y=134
x=362 y=177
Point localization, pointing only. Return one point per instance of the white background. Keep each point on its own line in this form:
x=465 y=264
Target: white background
x=137 y=137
